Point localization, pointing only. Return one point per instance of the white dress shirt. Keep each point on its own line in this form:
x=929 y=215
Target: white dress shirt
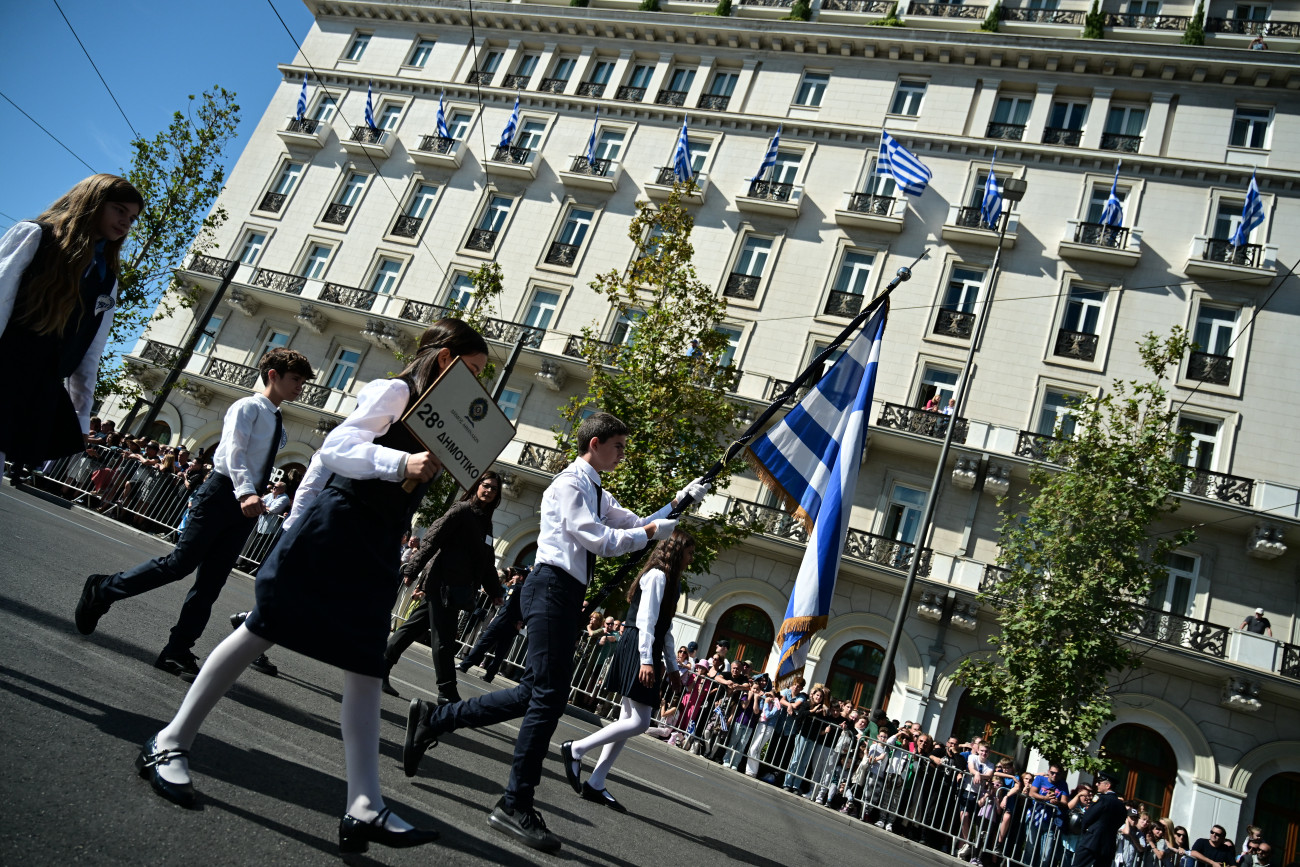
x=653 y=584
x=570 y=527
x=245 y=449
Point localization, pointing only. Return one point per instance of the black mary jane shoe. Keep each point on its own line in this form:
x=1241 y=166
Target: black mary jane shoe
x=602 y=796
x=574 y=777
x=356 y=835
x=146 y=765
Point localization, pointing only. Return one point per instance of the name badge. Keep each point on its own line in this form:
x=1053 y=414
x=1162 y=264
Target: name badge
x=103 y=304
x=487 y=540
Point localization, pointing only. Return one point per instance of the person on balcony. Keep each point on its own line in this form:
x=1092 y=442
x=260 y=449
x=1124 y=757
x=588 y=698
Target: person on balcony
x=1257 y=624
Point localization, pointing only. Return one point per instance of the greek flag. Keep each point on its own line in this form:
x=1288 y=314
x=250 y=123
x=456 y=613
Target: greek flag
x=769 y=158
x=302 y=99
x=370 y=109
x=1252 y=215
x=1113 y=213
x=810 y=460
x=508 y=134
x=591 y=140
x=442 y=118
x=899 y=163
x=991 y=207
x=682 y=170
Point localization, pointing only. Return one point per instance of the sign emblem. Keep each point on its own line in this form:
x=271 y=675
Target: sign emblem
x=478 y=409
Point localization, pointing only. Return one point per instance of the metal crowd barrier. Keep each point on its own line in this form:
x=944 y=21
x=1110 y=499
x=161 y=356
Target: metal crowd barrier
x=115 y=483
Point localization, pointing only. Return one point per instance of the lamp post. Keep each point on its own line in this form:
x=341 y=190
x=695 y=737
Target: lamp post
x=1013 y=190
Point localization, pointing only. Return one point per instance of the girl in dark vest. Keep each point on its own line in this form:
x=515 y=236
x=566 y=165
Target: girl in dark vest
x=644 y=654
x=328 y=585
x=58 y=288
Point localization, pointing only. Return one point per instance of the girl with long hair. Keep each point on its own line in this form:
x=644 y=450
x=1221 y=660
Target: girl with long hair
x=644 y=654
x=328 y=585
x=58 y=288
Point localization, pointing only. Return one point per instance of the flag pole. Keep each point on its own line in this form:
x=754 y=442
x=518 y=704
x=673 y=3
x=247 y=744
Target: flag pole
x=808 y=373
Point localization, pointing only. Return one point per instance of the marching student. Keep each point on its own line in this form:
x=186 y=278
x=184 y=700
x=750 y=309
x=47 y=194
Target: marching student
x=222 y=515
x=58 y=288
x=579 y=521
x=644 y=654
x=328 y=585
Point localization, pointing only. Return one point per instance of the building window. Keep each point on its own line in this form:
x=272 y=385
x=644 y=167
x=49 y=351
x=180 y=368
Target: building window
x=313 y=266
x=1065 y=123
x=903 y=516
x=812 y=87
x=700 y=148
x=1056 y=418
x=1126 y=120
x=389 y=116
x=542 y=310
x=461 y=292
x=326 y=108
x=486 y=68
x=530 y=138
x=750 y=633
x=976 y=719
x=1203 y=442
x=564 y=250
x=733 y=336
x=564 y=67
x=509 y=402
x=343 y=369
x=274 y=340
x=209 y=336
x=285 y=183
x=854 y=672
x=420 y=53
x=1010 y=116
x=681 y=80
x=956 y=316
x=1097 y=200
x=346 y=200
x=357 y=48
x=745 y=277
x=938 y=385
x=851 y=279
x=1077 y=338
x=1175 y=590
x=495 y=215
x=907 y=98
x=876 y=184
x=421 y=202
x=625 y=327
x=720 y=90
x=386 y=275
x=642 y=75
x=1216 y=330
x=253 y=243
x=1143 y=7
x=1144 y=765
x=1277 y=811
x=601 y=72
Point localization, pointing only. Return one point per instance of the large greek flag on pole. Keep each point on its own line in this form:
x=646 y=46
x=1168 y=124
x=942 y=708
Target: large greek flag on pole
x=508 y=134
x=370 y=108
x=902 y=165
x=441 y=123
x=682 y=170
x=302 y=99
x=1112 y=214
x=811 y=459
x=1252 y=215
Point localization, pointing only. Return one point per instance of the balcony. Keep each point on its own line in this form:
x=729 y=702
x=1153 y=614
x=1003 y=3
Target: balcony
x=966 y=223
x=772 y=198
x=742 y=286
x=1005 y=131
x=630 y=94
x=272 y=202
x=1095 y=242
x=508 y=332
x=1290 y=666
x=1075 y=345
x=1219 y=259
x=482 y=240
x=955 y=324
x=483 y=79
x=1058 y=17
x=1125 y=144
x=1059 y=135
x=1214 y=369
x=1175 y=24
x=602 y=175
x=945 y=16
x=1224 y=487
x=407 y=227
x=662 y=186
x=777 y=387
x=347 y=296
x=713 y=102
x=552 y=85
x=210 y=265
x=336 y=214
x=422 y=313
x=722 y=377
x=304 y=132
x=1165 y=627
x=438 y=151
x=591 y=88
x=369 y=141
x=871 y=211
x=513 y=161
x=277 y=281
x=846 y=304
x=604 y=352
x=671 y=97
x=542 y=458
x=768 y=520
x=853 y=11
x=515 y=82
x=563 y=255
x=1248 y=27
x=1035 y=446
x=917 y=421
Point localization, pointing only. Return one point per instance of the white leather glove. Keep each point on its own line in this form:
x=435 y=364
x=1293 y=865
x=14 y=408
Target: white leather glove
x=663 y=529
x=696 y=490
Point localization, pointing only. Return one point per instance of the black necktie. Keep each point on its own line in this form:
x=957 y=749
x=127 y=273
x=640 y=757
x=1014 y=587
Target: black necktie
x=270 y=457
x=591 y=555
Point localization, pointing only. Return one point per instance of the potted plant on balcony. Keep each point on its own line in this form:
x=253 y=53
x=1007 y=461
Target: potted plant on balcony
x=1195 y=32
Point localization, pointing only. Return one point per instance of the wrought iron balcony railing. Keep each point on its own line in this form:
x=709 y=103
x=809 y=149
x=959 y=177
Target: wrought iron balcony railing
x=918 y=421
x=543 y=458
x=1101 y=235
x=336 y=214
x=604 y=351
x=512 y=154
x=990 y=583
x=630 y=94
x=954 y=323
x=161 y=354
x=1225 y=251
x=232 y=372
x=272 y=202
x=1165 y=627
x=1214 y=369
x=210 y=265
x=972 y=217
x=1113 y=141
x=277 y=281
x=1290 y=663
x=406 y=226
x=482 y=240
x=598 y=169
x=742 y=286
x=870 y=203
x=947 y=10
x=1062 y=136
x=1005 y=131
x=846 y=304
x=368 y=134
x=437 y=144
x=1078 y=345
x=713 y=102
x=1248 y=27
x=873 y=7
x=304 y=125
x=724 y=377
x=772 y=191
x=770 y=520
x=591 y=88
x=313 y=395
x=1035 y=446
x=422 y=312
x=1224 y=487
x=508 y=332
x=671 y=97
x=564 y=255
x=883 y=551
x=776 y=386
x=1148 y=22
x=515 y=81
x=482 y=78
x=348 y=296
x=553 y=85
x=1044 y=16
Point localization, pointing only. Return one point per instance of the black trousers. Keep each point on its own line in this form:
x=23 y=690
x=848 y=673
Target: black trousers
x=498 y=636
x=210 y=544
x=434 y=620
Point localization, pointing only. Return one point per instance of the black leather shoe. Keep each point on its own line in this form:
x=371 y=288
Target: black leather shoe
x=487 y=676
x=387 y=687
x=183 y=664
x=525 y=825
x=146 y=765
x=89 y=608
x=419 y=736
x=450 y=695
x=463 y=666
x=356 y=835
x=572 y=767
x=264 y=664
x=601 y=796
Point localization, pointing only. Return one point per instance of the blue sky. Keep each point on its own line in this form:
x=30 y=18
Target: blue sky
x=153 y=54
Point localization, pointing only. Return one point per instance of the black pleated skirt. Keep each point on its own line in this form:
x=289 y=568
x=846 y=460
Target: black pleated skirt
x=626 y=665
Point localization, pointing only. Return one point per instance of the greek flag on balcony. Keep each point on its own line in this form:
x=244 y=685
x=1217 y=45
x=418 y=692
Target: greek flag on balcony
x=591 y=141
x=899 y=163
x=302 y=99
x=991 y=207
x=1252 y=215
x=682 y=170
x=370 y=108
x=508 y=134
x=1113 y=213
x=769 y=158
x=442 y=118
x=810 y=459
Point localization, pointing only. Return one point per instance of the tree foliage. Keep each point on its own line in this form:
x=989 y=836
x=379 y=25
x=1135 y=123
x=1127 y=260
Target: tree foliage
x=1094 y=23
x=179 y=172
x=671 y=395
x=800 y=10
x=993 y=19
x=1079 y=557
x=723 y=9
x=1195 y=32
x=891 y=19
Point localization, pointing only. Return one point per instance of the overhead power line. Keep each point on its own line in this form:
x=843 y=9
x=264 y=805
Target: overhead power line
x=46 y=131
x=111 y=95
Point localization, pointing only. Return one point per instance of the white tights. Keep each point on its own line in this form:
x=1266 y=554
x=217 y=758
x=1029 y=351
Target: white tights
x=359 y=719
x=632 y=721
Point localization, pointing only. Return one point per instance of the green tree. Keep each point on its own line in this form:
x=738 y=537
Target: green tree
x=992 y=20
x=891 y=19
x=1094 y=23
x=671 y=394
x=649 y=6
x=1195 y=32
x=723 y=9
x=1077 y=558
x=179 y=172
x=800 y=10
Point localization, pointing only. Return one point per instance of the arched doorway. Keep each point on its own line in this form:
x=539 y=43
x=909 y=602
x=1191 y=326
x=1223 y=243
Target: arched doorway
x=1144 y=764
x=750 y=632
x=977 y=719
x=854 y=672
x=160 y=431
x=1277 y=811
x=526 y=555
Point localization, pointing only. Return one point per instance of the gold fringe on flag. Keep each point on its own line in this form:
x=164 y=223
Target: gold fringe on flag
x=808 y=626
x=769 y=481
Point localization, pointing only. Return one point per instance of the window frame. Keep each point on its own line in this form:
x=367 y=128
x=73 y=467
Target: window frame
x=490 y=195
x=309 y=247
x=530 y=299
x=1245 y=305
x=360 y=38
x=372 y=272
x=274 y=182
x=517 y=404
x=843 y=249
x=245 y=238
x=1111 y=299
x=222 y=316
x=804 y=90
x=558 y=229
x=906 y=90
x=1046 y=384
x=336 y=358
x=340 y=192
x=416 y=45
x=1247 y=137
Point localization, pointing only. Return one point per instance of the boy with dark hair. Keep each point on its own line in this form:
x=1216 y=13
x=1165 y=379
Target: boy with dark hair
x=578 y=522
x=222 y=515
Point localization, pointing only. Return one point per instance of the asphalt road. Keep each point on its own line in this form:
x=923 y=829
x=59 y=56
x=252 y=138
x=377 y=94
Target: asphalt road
x=268 y=764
